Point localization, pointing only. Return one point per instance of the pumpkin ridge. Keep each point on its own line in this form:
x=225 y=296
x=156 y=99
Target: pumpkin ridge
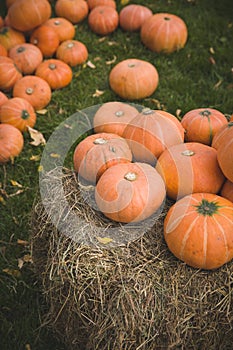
x=223 y=235
x=186 y=236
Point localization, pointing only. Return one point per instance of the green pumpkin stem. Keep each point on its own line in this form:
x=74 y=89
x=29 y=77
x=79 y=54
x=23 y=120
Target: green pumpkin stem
x=25 y=115
x=207 y=208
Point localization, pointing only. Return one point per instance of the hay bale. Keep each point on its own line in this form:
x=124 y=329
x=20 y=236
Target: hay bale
x=136 y=296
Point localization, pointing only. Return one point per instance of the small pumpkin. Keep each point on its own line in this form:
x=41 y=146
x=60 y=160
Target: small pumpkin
x=164 y=32
x=112 y=117
x=18 y=112
x=134 y=79
x=3 y=98
x=225 y=152
x=73 y=10
x=227 y=190
x=130 y=192
x=57 y=73
x=26 y=56
x=11 y=142
x=25 y=15
x=33 y=89
x=72 y=52
x=3 y=51
x=201 y=124
x=9 y=37
x=98 y=152
x=46 y=39
x=190 y=167
x=150 y=133
x=132 y=17
x=64 y=28
x=93 y=3
x=198 y=230
x=9 y=73
x=103 y=20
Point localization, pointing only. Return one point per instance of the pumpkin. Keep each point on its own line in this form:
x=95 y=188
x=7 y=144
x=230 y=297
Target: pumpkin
x=164 y=32
x=225 y=153
x=113 y=117
x=10 y=37
x=220 y=135
x=2 y=22
x=11 y=142
x=132 y=17
x=33 y=89
x=9 y=73
x=46 y=39
x=3 y=51
x=150 y=133
x=103 y=20
x=64 y=28
x=190 y=167
x=227 y=190
x=198 y=230
x=130 y=192
x=93 y=3
x=57 y=73
x=3 y=98
x=98 y=152
x=25 y=15
x=201 y=124
x=134 y=79
x=72 y=52
x=73 y=10
x=10 y=2
x=26 y=56
x=18 y=112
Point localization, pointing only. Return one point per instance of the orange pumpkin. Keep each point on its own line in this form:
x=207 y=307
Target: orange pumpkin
x=18 y=112
x=227 y=190
x=11 y=142
x=103 y=20
x=225 y=153
x=150 y=133
x=2 y=22
x=130 y=192
x=112 y=117
x=26 y=56
x=10 y=2
x=164 y=32
x=190 y=167
x=198 y=230
x=33 y=89
x=46 y=39
x=3 y=98
x=201 y=124
x=132 y=17
x=10 y=37
x=98 y=152
x=134 y=79
x=220 y=135
x=93 y=3
x=57 y=73
x=3 y=51
x=64 y=28
x=72 y=52
x=25 y=15
x=9 y=73
x=73 y=10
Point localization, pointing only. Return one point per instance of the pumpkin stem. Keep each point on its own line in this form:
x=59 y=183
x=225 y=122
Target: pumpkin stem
x=52 y=66
x=25 y=115
x=57 y=22
x=21 y=49
x=188 y=152
x=147 y=111
x=207 y=208
x=167 y=18
x=130 y=176
x=100 y=141
x=70 y=45
x=29 y=90
x=119 y=113
x=131 y=65
x=230 y=124
x=205 y=113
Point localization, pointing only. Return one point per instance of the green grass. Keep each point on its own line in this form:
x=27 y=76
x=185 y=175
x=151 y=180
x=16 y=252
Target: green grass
x=187 y=80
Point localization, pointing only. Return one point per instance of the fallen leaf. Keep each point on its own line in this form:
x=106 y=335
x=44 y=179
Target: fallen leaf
x=91 y=65
x=22 y=242
x=12 y=272
x=16 y=193
x=112 y=61
x=212 y=50
x=55 y=155
x=124 y=2
x=178 y=112
x=111 y=43
x=104 y=240
x=2 y=200
x=38 y=138
x=98 y=93
x=15 y=183
x=27 y=258
x=40 y=168
x=27 y=347
x=35 y=158
x=216 y=86
x=212 y=60
x=42 y=111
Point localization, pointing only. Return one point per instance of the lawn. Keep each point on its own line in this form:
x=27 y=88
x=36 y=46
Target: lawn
x=200 y=75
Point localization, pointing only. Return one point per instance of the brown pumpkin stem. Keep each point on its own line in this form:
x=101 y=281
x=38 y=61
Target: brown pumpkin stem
x=130 y=176
x=100 y=141
x=29 y=90
x=205 y=113
x=167 y=18
x=119 y=113
x=57 y=22
x=188 y=153
x=52 y=66
x=207 y=208
x=70 y=45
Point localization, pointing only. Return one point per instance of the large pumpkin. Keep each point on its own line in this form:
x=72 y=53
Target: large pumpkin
x=73 y=10
x=134 y=79
x=201 y=124
x=98 y=152
x=11 y=142
x=151 y=132
x=64 y=28
x=26 y=56
x=188 y=168
x=164 y=32
x=113 y=117
x=103 y=20
x=130 y=192
x=18 y=112
x=225 y=152
x=198 y=230
x=72 y=52
x=25 y=15
x=227 y=190
x=132 y=17
x=46 y=39
x=9 y=37
x=9 y=73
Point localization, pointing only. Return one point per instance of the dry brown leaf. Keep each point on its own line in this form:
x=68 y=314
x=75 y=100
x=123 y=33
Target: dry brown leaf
x=111 y=43
x=38 y=138
x=55 y=155
x=178 y=112
x=91 y=65
x=112 y=61
x=27 y=258
x=212 y=50
x=42 y=111
x=124 y=2
x=15 y=183
x=2 y=200
x=98 y=93
x=212 y=60
x=35 y=158
x=216 y=86
x=104 y=240
x=22 y=242
x=40 y=168
x=12 y=272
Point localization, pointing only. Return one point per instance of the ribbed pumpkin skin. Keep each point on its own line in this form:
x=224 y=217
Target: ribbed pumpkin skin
x=46 y=39
x=3 y=98
x=11 y=142
x=9 y=37
x=201 y=124
x=227 y=190
x=125 y=200
x=73 y=10
x=94 y=3
x=26 y=56
x=9 y=73
x=134 y=79
x=72 y=52
x=113 y=117
x=225 y=153
x=103 y=20
x=3 y=51
x=150 y=133
x=132 y=17
x=197 y=236
x=25 y=15
x=164 y=32
x=188 y=168
x=98 y=152
x=221 y=134
x=18 y=112
x=64 y=28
